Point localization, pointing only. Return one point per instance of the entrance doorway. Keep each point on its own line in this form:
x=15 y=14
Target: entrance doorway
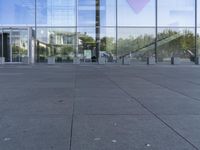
x=14 y=44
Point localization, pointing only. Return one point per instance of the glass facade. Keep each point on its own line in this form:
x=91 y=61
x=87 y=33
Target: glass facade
x=91 y=29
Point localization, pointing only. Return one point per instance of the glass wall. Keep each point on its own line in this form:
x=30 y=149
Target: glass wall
x=136 y=32
x=57 y=42
x=56 y=13
x=100 y=28
x=20 y=13
x=176 y=30
x=138 y=43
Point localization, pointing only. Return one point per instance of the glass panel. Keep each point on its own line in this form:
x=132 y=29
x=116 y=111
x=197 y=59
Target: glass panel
x=56 y=12
x=198 y=13
x=57 y=42
x=20 y=45
x=198 y=41
x=136 y=13
x=138 y=43
x=21 y=12
x=108 y=44
x=86 y=12
x=176 y=42
x=176 y=13
x=108 y=12
x=87 y=44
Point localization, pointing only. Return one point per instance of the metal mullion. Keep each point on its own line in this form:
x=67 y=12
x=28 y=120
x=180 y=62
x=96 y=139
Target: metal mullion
x=10 y=30
x=76 y=52
x=116 y=29
x=196 y=49
x=156 y=30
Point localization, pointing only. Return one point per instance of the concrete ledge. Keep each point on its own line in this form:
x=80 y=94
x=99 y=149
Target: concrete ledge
x=175 y=61
x=151 y=60
x=51 y=60
x=102 y=61
x=2 y=60
x=76 y=61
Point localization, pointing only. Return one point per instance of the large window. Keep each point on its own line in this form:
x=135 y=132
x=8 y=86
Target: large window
x=137 y=43
x=136 y=13
x=17 y=12
x=56 y=12
x=176 y=30
x=176 y=42
x=86 y=12
x=108 y=12
x=176 y=13
x=57 y=42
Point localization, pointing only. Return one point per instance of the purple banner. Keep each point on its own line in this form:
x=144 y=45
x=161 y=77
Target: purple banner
x=138 y=5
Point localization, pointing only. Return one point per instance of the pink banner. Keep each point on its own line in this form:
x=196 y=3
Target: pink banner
x=138 y=5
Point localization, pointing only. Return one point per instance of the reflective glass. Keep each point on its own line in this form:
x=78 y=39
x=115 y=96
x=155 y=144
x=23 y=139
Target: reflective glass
x=198 y=41
x=87 y=43
x=176 y=13
x=108 y=12
x=176 y=42
x=138 y=43
x=198 y=13
x=21 y=12
x=136 y=12
x=56 y=12
x=20 y=45
x=86 y=12
x=57 y=42
x=108 y=43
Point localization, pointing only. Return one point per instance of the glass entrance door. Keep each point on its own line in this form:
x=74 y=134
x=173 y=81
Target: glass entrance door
x=13 y=44
x=6 y=49
x=1 y=43
x=19 y=43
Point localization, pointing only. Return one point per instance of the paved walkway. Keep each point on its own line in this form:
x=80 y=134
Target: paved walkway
x=67 y=107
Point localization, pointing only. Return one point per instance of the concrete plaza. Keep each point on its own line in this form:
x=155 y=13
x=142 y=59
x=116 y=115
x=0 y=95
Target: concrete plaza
x=99 y=107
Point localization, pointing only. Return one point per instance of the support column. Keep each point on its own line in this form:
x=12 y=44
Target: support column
x=97 y=28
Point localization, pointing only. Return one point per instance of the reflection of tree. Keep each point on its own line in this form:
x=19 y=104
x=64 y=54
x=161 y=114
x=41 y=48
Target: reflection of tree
x=134 y=44
x=183 y=46
x=88 y=42
x=170 y=43
x=66 y=50
x=108 y=44
x=19 y=50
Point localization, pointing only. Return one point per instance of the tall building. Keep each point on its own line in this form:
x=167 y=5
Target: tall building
x=38 y=29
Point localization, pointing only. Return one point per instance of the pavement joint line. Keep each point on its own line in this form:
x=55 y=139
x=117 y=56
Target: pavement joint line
x=172 y=90
x=73 y=110
x=154 y=114
x=113 y=114
x=186 y=81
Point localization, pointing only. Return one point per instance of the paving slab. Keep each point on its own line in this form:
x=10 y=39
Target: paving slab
x=124 y=132
x=34 y=132
x=115 y=106
x=186 y=125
